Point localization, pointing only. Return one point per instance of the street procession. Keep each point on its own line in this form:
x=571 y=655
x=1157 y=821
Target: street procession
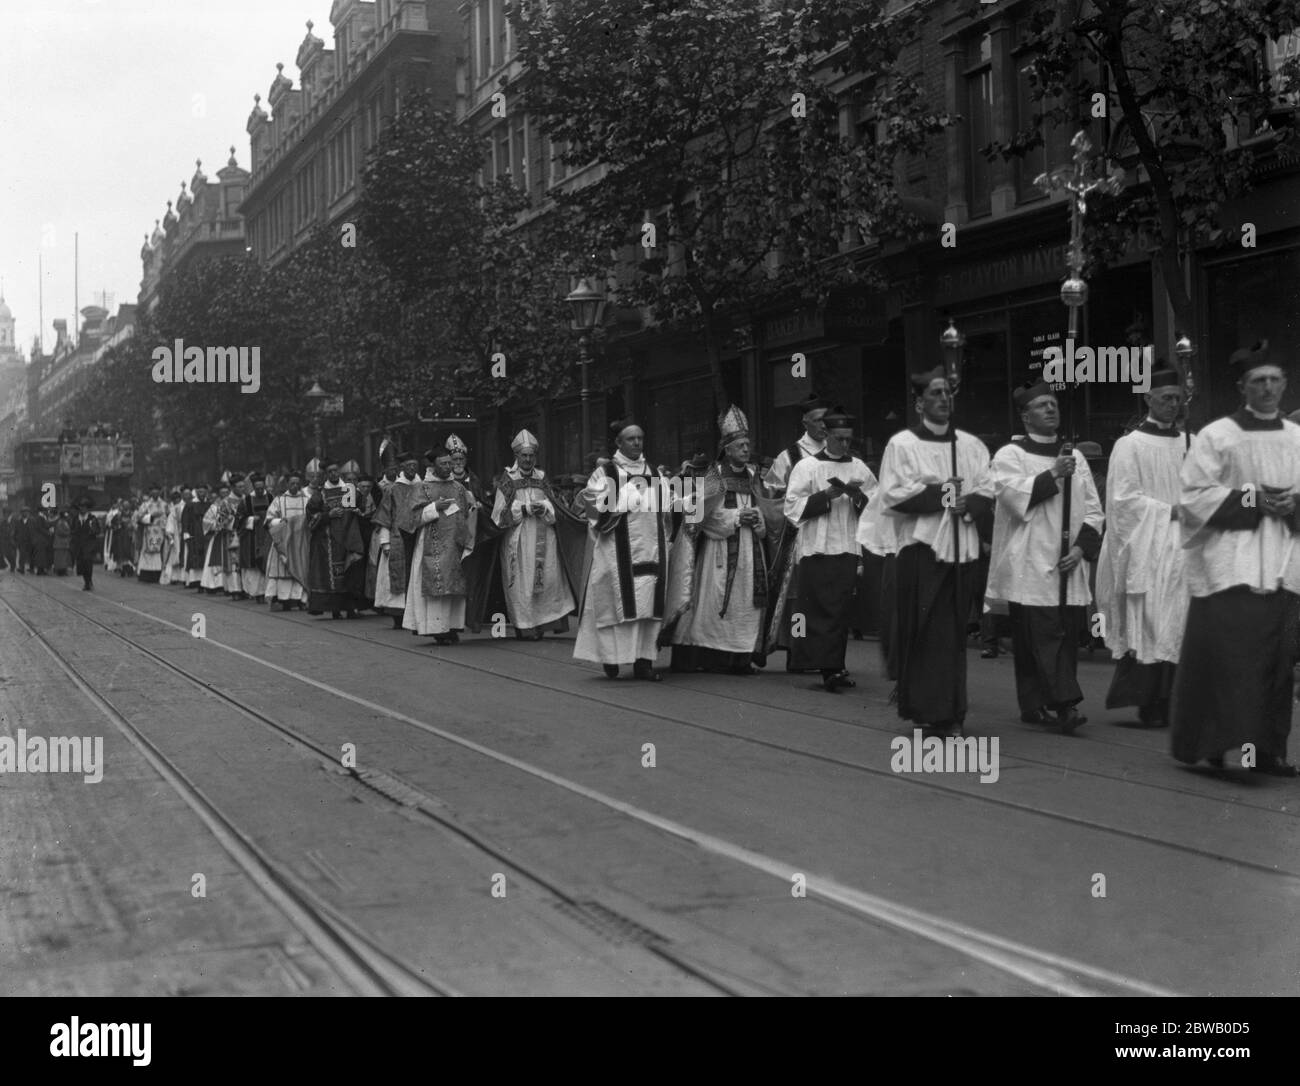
x=723 y=564
x=629 y=498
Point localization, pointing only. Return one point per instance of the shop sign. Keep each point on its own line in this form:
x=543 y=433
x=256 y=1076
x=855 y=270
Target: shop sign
x=1016 y=271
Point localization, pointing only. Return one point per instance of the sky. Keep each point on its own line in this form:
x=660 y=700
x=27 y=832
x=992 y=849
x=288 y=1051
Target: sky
x=104 y=106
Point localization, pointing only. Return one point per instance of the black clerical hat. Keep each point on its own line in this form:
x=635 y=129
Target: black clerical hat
x=1030 y=391
x=1165 y=376
x=619 y=425
x=1245 y=359
x=921 y=378
x=812 y=403
x=837 y=417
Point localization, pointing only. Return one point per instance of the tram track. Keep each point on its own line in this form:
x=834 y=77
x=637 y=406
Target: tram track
x=1045 y=970
x=914 y=780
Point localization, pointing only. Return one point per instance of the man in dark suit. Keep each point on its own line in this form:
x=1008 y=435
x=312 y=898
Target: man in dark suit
x=86 y=543
x=23 y=539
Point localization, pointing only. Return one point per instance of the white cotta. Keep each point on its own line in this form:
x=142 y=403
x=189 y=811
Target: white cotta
x=605 y=634
x=1141 y=585
x=530 y=605
x=909 y=465
x=778 y=475
x=741 y=628
x=1027 y=542
x=837 y=531
x=1225 y=457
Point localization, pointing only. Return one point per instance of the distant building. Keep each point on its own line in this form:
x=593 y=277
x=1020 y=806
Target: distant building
x=54 y=381
x=308 y=152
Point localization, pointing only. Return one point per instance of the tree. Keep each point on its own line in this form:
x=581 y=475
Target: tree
x=717 y=136
x=1186 y=84
x=474 y=284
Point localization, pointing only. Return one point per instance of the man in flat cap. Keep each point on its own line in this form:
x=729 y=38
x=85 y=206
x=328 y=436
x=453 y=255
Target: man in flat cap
x=537 y=592
x=1141 y=586
x=85 y=543
x=623 y=605
x=1026 y=566
x=1238 y=513
x=823 y=501
x=934 y=508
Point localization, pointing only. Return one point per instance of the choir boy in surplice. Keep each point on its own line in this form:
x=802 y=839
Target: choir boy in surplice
x=823 y=501
x=1238 y=512
x=1026 y=564
x=933 y=509
x=1141 y=581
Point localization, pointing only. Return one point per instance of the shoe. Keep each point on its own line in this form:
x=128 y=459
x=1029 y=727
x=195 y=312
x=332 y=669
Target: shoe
x=353 y=614
x=837 y=681
x=1216 y=761
x=1069 y=719
x=1275 y=766
x=397 y=622
x=940 y=730
x=611 y=671
x=1154 y=716
x=744 y=669
x=336 y=614
x=989 y=654
x=1038 y=716
x=644 y=670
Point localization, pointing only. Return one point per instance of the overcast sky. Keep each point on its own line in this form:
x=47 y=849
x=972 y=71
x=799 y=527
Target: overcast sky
x=104 y=106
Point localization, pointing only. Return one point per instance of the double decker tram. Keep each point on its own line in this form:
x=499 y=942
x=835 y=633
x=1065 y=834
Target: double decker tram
x=54 y=474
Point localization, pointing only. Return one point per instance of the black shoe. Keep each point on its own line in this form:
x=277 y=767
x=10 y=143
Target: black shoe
x=744 y=669
x=837 y=680
x=611 y=671
x=644 y=670
x=88 y=588
x=397 y=622
x=1216 y=761
x=1275 y=766
x=353 y=614
x=336 y=614
x=990 y=653
x=1038 y=716
x=1070 y=718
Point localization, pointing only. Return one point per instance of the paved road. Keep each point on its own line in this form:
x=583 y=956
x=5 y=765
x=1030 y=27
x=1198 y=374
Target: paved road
x=500 y=829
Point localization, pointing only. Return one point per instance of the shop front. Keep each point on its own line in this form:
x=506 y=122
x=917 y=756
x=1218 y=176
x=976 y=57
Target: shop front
x=1009 y=309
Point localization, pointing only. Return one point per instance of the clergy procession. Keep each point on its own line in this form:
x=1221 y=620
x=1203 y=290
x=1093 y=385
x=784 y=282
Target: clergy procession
x=726 y=564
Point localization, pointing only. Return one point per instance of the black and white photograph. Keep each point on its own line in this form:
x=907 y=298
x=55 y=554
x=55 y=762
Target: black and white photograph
x=651 y=498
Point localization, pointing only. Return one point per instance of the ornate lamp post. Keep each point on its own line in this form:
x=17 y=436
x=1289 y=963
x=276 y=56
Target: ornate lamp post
x=587 y=303
x=316 y=397
x=1080 y=180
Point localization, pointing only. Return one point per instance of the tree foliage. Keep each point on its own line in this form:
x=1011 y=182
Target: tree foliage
x=714 y=121
x=1189 y=96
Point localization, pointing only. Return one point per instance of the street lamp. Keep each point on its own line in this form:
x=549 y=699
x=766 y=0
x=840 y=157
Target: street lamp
x=587 y=305
x=316 y=397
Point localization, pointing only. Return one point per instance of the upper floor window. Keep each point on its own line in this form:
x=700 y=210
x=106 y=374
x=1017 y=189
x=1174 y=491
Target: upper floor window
x=979 y=124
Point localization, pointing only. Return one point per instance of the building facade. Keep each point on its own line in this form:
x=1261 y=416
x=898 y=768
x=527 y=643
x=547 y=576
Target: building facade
x=308 y=151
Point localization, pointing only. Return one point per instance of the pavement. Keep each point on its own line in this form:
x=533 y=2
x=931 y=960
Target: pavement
x=502 y=819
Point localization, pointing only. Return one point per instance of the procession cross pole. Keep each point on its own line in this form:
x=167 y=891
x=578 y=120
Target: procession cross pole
x=953 y=342
x=1080 y=179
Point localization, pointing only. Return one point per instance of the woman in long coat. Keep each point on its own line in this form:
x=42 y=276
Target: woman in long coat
x=42 y=543
x=62 y=544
